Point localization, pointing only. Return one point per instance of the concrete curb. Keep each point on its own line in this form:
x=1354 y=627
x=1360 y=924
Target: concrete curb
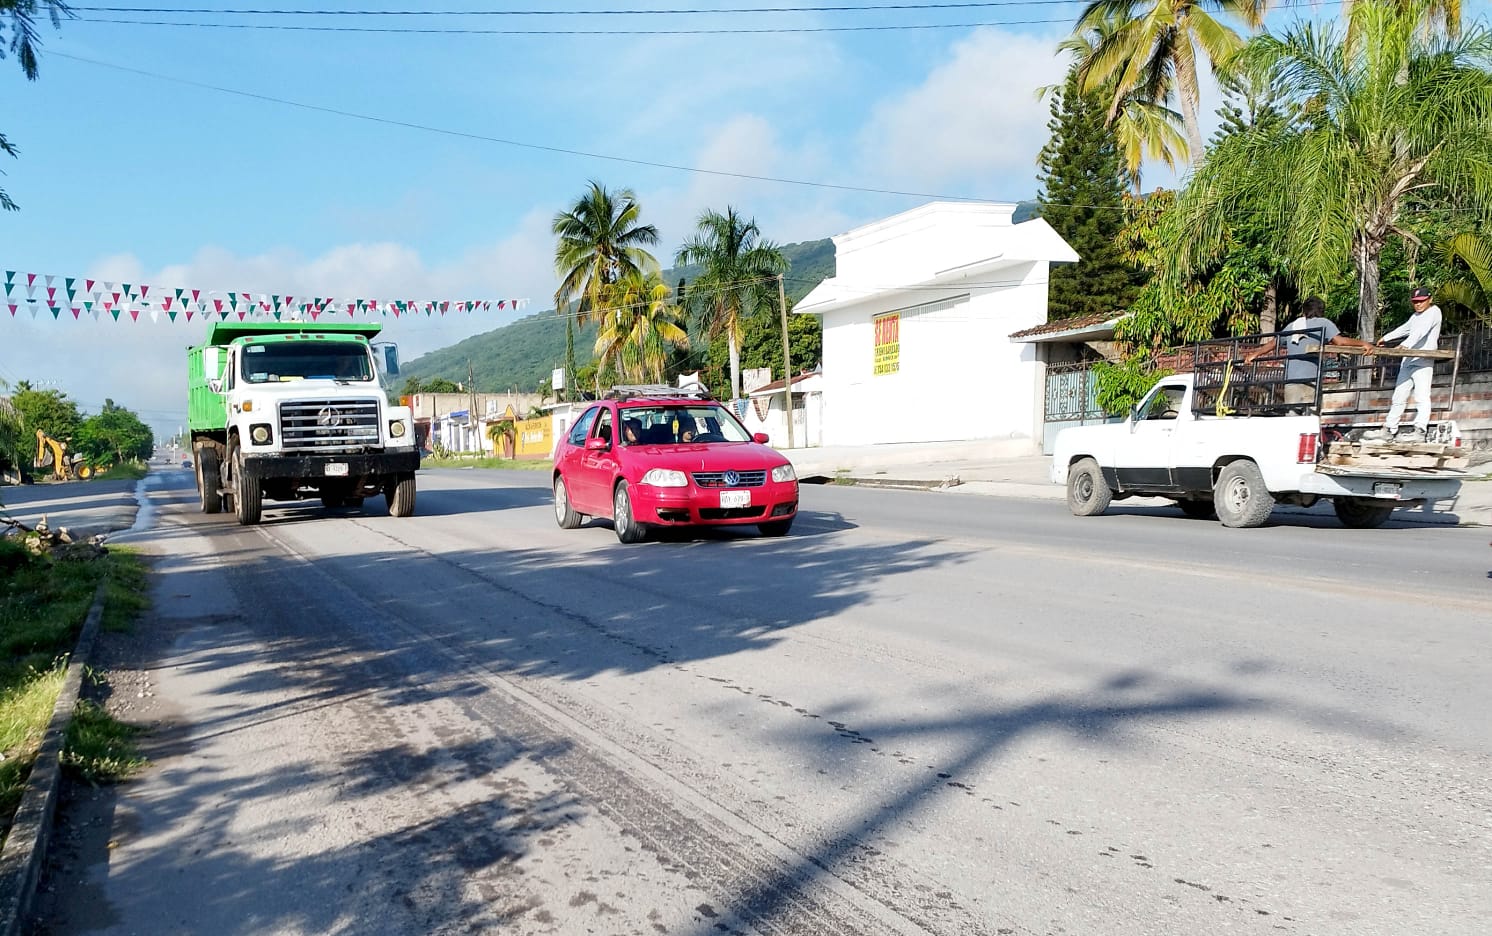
x=26 y=846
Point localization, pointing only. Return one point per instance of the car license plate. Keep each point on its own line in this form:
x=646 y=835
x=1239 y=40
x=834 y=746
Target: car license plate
x=336 y=470
x=1387 y=489
x=735 y=498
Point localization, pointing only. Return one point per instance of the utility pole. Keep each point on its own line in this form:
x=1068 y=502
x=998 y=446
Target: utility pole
x=787 y=362
x=471 y=413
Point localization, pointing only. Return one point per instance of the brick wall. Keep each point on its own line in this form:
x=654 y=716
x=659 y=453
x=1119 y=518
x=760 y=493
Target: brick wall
x=1472 y=409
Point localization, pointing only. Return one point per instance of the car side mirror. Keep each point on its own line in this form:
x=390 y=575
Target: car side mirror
x=596 y=444
x=760 y=438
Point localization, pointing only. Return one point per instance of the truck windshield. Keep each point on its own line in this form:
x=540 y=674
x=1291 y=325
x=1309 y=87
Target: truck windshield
x=306 y=360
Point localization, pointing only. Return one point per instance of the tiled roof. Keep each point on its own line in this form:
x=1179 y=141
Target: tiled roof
x=1068 y=324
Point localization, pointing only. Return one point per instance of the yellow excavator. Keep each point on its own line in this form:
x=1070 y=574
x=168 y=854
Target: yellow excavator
x=50 y=453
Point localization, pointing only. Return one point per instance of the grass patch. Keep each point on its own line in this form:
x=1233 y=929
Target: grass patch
x=100 y=748
x=128 y=471
x=526 y=464
x=43 y=604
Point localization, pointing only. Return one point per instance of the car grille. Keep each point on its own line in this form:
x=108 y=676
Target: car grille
x=716 y=479
x=730 y=513
x=329 y=425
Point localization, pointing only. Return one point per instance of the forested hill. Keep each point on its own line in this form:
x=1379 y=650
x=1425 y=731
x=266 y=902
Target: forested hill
x=521 y=355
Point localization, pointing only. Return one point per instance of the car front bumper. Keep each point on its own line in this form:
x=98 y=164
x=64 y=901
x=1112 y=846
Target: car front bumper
x=693 y=506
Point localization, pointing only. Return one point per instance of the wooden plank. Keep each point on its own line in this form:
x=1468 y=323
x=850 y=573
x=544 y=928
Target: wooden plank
x=1396 y=352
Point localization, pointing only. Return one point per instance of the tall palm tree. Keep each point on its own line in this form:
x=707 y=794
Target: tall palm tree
x=638 y=328
x=736 y=277
x=23 y=43
x=599 y=240
x=1393 y=111
x=1145 y=127
x=1148 y=49
x=1470 y=254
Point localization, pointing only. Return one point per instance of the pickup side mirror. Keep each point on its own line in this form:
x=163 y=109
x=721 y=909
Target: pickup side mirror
x=596 y=444
x=760 y=438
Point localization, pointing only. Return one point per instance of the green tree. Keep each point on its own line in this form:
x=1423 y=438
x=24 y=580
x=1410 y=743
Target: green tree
x=638 y=328
x=1470 y=255
x=761 y=342
x=18 y=31
x=738 y=271
x=1082 y=197
x=1394 y=113
x=1153 y=53
x=599 y=240
x=14 y=444
x=113 y=435
x=48 y=410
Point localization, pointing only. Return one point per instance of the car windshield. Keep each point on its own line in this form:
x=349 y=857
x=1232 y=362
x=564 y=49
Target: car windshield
x=306 y=360
x=680 y=424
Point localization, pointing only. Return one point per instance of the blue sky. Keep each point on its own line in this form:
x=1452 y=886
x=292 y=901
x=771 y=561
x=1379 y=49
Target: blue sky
x=127 y=176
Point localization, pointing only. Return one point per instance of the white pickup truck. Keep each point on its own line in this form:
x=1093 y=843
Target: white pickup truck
x=1239 y=466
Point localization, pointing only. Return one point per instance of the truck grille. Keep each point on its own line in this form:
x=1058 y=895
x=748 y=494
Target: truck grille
x=743 y=479
x=329 y=425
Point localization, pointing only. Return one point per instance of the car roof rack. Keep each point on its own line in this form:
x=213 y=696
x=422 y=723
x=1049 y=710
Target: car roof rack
x=692 y=391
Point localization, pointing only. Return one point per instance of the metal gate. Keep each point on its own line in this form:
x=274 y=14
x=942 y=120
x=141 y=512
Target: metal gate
x=1071 y=400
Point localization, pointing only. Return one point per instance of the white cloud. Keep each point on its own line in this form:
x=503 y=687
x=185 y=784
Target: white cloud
x=974 y=126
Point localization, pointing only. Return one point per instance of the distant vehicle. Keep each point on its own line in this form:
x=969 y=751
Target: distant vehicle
x=186 y=463
x=657 y=456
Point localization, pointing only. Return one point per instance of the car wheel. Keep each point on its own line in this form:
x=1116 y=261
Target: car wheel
x=1361 y=515
x=628 y=530
x=1088 y=494
x=1240 y=496
x=775 y=527
x=564 y=514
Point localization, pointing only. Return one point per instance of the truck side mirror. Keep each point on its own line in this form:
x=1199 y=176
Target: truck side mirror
x=212 y=363
x=386 y=357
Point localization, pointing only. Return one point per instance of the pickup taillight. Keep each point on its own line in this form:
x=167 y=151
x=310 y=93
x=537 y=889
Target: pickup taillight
x=1305 y=453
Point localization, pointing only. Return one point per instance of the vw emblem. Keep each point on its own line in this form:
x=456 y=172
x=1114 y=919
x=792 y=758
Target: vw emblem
x=732 y=479
x=328 y=417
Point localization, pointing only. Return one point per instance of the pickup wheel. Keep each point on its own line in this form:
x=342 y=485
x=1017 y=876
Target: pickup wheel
x=1088 y=494
x=1240 y=496
x=1197 y=509
x=209 y=481
x=1361 y=514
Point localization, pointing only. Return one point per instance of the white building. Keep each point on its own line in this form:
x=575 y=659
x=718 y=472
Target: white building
x=767 y=405
x=917 y=325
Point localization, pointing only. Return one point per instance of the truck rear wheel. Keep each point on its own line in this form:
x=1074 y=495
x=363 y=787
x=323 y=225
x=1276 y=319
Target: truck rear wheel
x=1361 y=514
x=400 y=495
x=248 y=499
x=1240 y=496
x=1088 y=494
x=209 y=481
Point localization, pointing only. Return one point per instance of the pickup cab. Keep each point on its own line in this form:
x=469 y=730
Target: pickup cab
x=1179 y=443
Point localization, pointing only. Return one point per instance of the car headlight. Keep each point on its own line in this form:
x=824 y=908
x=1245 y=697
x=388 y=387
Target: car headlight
x=784 y=473
x=260 y=434
x=665 y=477
x=397 y=429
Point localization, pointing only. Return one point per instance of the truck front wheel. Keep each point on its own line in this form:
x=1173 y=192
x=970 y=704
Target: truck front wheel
x=1088 y=494
x=209 y=480
x=400 y=495
x=1361 y=514
x=1240 y=496
x=248 y=499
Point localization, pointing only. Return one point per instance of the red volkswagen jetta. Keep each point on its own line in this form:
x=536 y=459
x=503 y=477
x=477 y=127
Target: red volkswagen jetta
x=654 y=457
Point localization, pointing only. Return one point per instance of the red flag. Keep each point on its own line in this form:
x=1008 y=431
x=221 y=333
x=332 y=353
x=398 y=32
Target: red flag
x=135 y=314
x=165 y=303
x=89 y=287
x=144 y=291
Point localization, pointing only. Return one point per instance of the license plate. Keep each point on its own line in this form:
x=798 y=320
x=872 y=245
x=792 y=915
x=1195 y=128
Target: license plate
x=1387 y=489
x=336 y=470
x=735 y=498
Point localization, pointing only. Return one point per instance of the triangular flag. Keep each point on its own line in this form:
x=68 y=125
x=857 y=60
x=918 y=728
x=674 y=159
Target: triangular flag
x=167 y=303
x=89 y=287
x=179 y=291
x=71 y=290
x=196 y=293
x=51 y=294
x=30 y=279
x=135 y=314
x=10 y=277
x=144 y=291
x=77 y=311
x=217 y=304
x=56 y=311
x=189 y=313
x=8 y=287
x=12 y=309
x=114 y=311
x=49 y=278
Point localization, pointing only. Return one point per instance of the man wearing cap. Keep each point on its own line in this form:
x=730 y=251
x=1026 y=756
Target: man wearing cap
x=1420 y=333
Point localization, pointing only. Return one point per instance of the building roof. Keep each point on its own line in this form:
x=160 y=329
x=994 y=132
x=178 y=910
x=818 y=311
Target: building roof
x=776 y=385
x=1096 y=326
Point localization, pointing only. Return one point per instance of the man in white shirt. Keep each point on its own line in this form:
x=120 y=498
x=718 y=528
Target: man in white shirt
x=1420 y=333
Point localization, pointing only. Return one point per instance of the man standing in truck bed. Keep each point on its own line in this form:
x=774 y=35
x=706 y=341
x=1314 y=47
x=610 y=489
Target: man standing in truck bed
x=1420 y=333
x=1303 y=339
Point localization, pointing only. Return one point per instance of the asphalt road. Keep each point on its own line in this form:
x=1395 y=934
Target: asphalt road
x=918 y=713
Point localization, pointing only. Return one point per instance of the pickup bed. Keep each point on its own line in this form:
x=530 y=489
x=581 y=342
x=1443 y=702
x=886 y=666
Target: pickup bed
x=1212 y=461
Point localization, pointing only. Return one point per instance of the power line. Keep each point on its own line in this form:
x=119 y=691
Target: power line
x=654 y=11
x=469 y=31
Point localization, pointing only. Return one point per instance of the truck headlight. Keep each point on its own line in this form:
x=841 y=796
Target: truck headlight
x=784 y=473
x=665 y=477
x=397 y=429
x=260 y=433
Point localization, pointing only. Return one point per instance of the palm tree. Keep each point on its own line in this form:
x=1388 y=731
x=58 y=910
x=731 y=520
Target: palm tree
x=599 y=240
x=502 y=432
x=1473 y=254
x=23 y=43
x=1391 y=112
x=737 y=276
x=1148 y=50
x=1144 y=126
x=638 y=328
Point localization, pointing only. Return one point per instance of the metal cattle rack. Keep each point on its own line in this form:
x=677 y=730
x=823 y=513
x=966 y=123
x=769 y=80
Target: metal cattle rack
x=691 y=391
